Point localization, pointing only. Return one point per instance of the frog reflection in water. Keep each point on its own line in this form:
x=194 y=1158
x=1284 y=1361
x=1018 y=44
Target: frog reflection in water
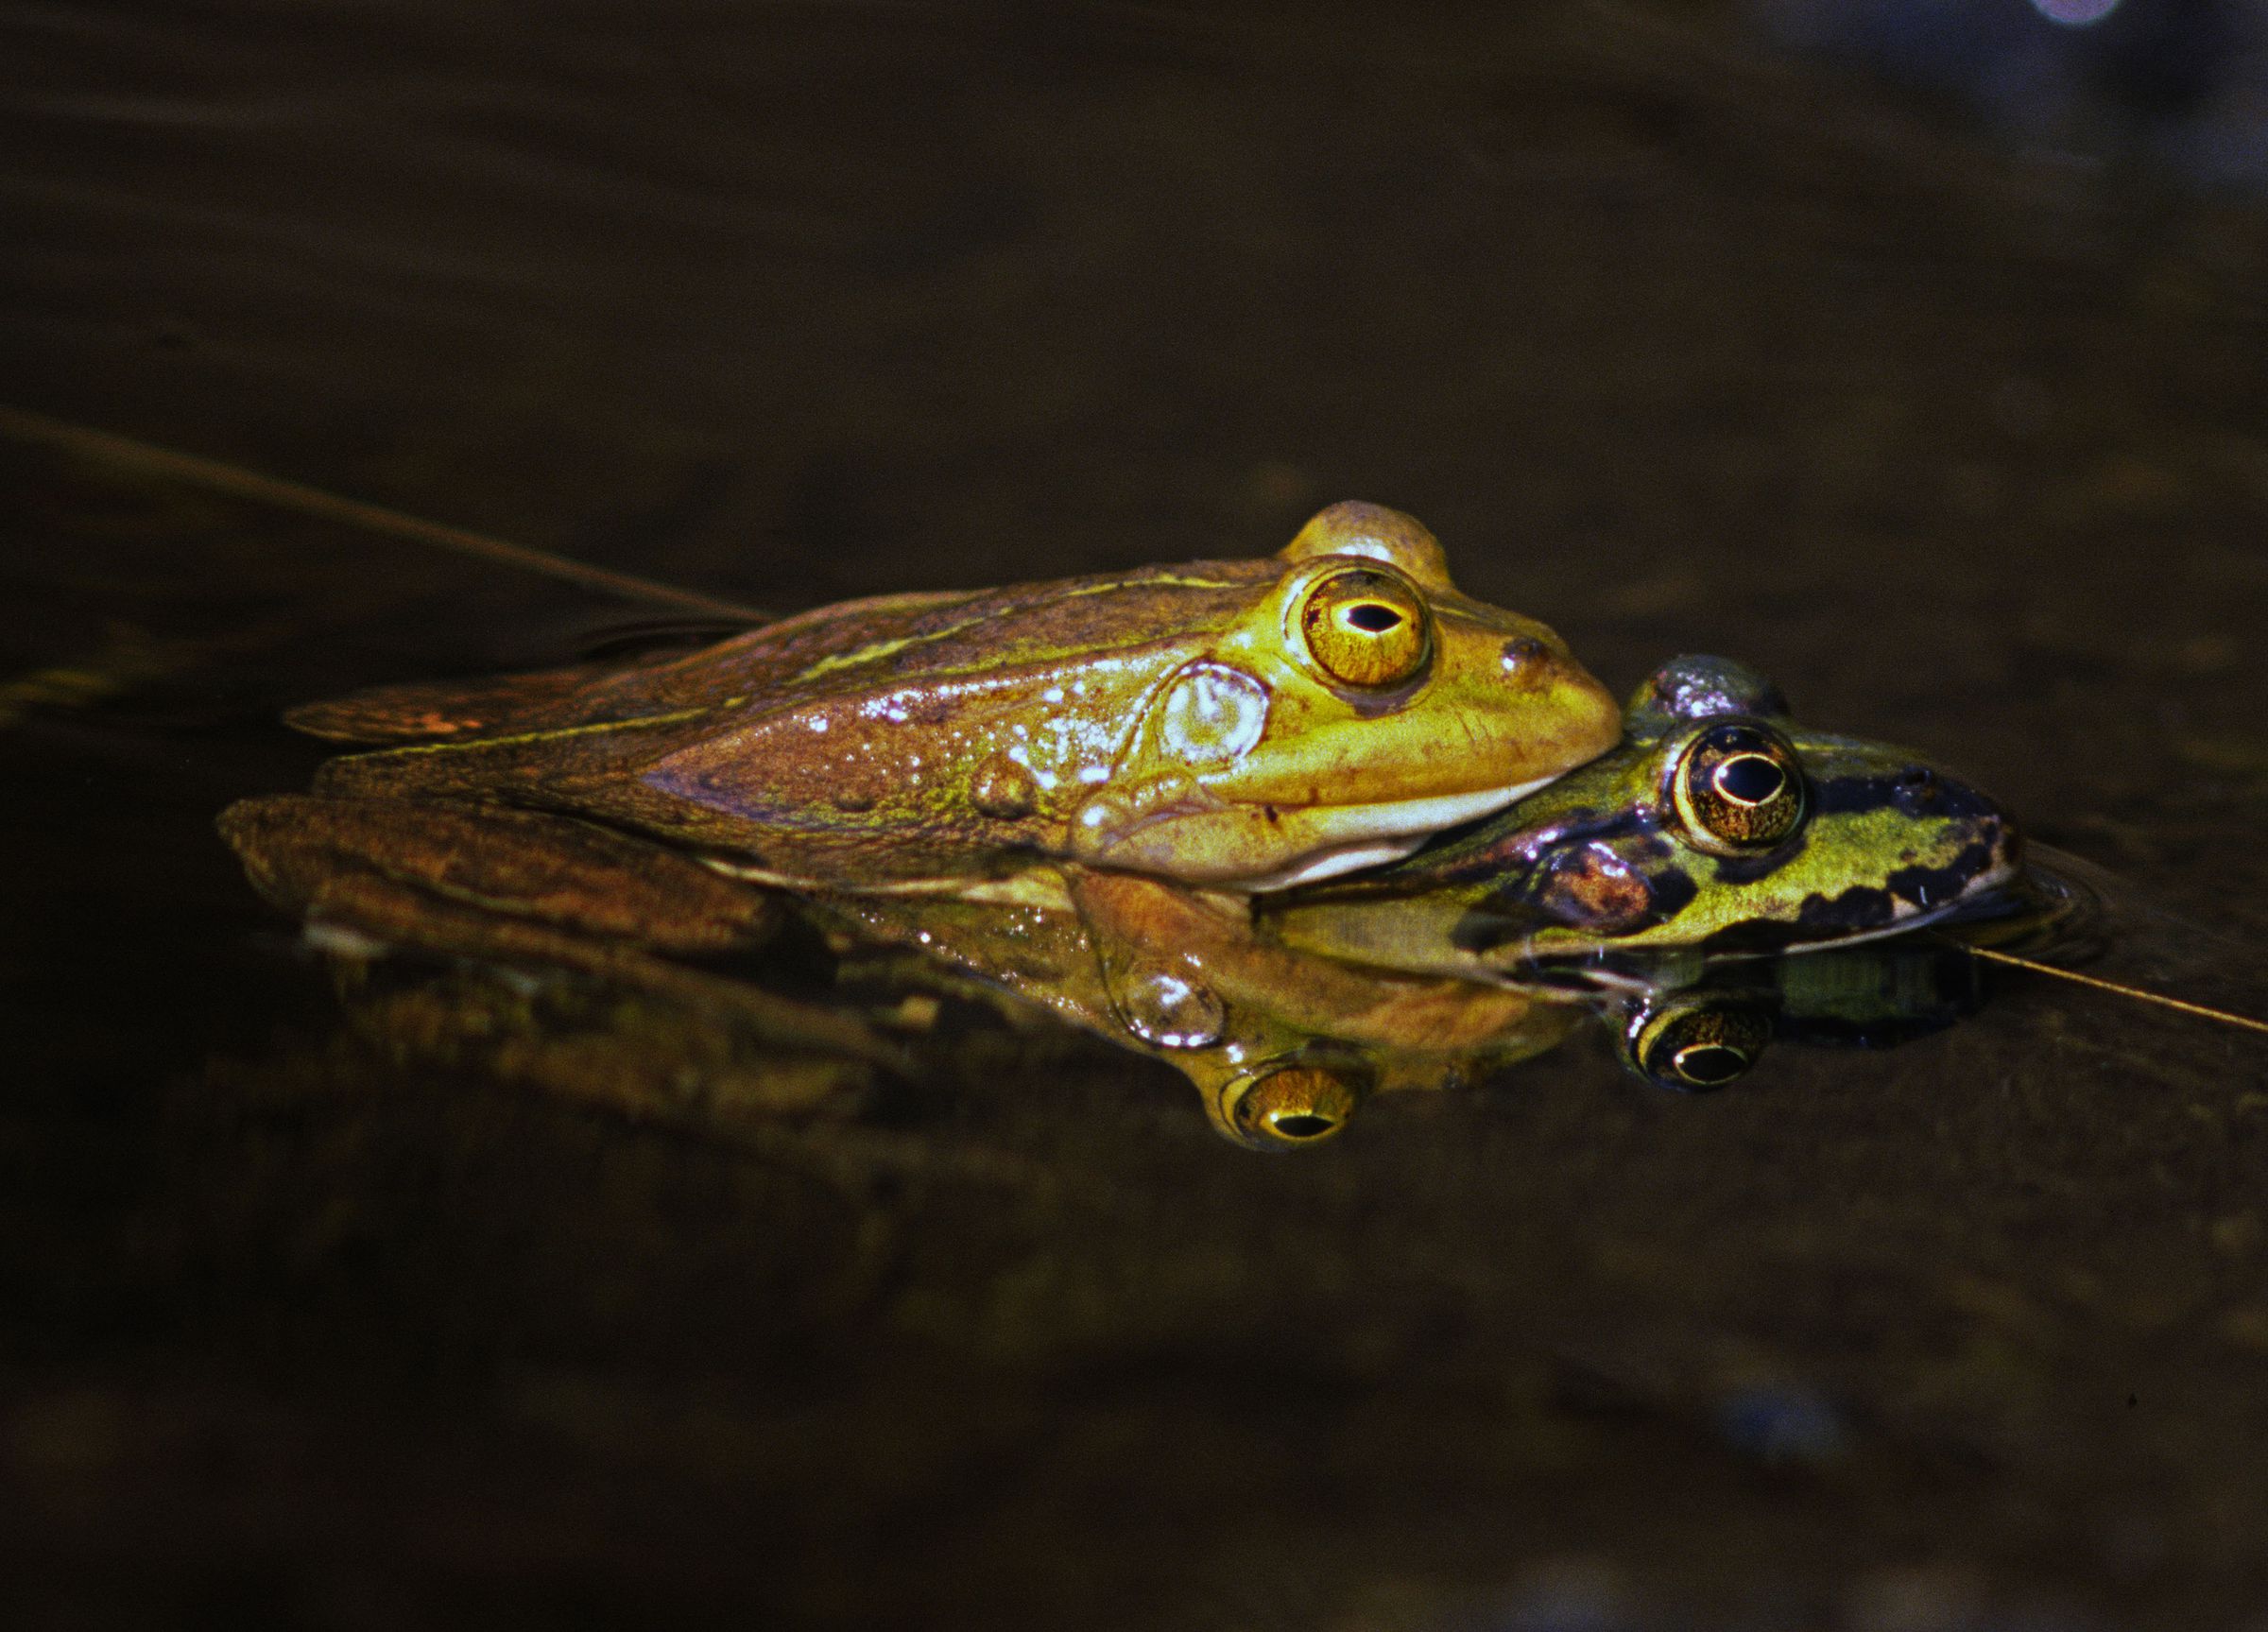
x=1281 y=1039
x=1242 y=724
x=1281 y=1045
x=1718 y=828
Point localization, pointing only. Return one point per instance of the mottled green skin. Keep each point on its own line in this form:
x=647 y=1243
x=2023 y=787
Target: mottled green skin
x=1587 y=878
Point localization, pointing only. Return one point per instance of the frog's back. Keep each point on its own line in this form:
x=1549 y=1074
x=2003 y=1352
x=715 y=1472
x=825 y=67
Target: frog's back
x=892 y=639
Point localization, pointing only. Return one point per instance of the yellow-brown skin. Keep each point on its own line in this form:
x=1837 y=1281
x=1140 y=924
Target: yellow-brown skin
x=1290 y=1042
x=527 y=889
x=1241 y=724
x=1282 y=1046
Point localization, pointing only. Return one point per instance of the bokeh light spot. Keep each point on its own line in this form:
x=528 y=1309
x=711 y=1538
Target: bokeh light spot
x=2075 y=13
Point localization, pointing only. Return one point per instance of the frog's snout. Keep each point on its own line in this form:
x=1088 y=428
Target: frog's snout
x=1926 y=792
x=1990 y=846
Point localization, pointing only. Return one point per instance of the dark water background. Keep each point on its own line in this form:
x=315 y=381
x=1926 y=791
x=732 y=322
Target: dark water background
x=1680 y=341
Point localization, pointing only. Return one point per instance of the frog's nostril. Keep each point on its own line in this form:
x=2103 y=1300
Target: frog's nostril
x=2011 y=844
x=1523 y=651
x=1918 y=791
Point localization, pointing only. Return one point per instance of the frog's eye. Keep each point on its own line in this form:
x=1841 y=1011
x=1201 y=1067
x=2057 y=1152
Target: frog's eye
x=1696 y=1045
x=1367 y=627
x=1298 y=1105
x=1738 y=789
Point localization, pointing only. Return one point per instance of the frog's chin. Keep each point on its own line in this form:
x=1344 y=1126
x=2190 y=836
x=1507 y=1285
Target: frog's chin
x=1357 y=836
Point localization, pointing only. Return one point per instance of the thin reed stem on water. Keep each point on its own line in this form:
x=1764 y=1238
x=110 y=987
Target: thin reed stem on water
x=219 y=476
x=234 y=479
x=2134 y=991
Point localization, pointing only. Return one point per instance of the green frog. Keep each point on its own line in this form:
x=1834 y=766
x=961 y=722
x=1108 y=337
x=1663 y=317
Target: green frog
x=1238 y=724
x=1719 y=827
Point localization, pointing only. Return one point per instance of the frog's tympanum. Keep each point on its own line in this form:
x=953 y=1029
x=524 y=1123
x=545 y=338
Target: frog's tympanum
x=1242 y=725
x=1719 y=827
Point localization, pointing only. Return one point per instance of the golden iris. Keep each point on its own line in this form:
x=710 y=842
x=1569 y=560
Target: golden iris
x=1738 y=789
x=1367 y=627
x=1698 y=1047
x=1298 y=1105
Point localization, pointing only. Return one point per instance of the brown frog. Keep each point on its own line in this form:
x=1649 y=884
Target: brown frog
x=1241 y=724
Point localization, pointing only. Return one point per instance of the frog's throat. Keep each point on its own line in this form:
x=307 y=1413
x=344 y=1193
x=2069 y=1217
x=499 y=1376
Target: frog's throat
x=1357 y=836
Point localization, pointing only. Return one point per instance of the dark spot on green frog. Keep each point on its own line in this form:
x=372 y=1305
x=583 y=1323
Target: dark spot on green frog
x=1752 y=938
x=1860 y=908
x=1936 y=886
x=1917 y=793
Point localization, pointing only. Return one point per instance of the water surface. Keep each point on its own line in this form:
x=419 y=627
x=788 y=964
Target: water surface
x=1678 y=344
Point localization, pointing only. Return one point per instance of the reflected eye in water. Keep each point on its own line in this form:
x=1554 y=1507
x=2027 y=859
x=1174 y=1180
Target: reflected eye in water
x=1291 y=1106
x=1367 y=627
x=1738 y=789
x=1696 y=1045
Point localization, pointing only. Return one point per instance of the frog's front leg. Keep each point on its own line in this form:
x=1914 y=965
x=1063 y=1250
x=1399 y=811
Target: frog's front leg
x=519 y=887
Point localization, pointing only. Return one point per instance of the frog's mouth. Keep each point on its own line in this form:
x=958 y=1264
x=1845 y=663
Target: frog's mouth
x=1248 y=844
x=1351 y=837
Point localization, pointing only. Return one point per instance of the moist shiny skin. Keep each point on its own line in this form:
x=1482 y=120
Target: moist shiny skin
x=1244 y=725
x=1608 y=863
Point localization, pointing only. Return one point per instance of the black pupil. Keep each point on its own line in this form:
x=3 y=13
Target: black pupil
x=1709 y=1063
x=1751 y=778
x=1303 y=1124
x=1372 y=618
